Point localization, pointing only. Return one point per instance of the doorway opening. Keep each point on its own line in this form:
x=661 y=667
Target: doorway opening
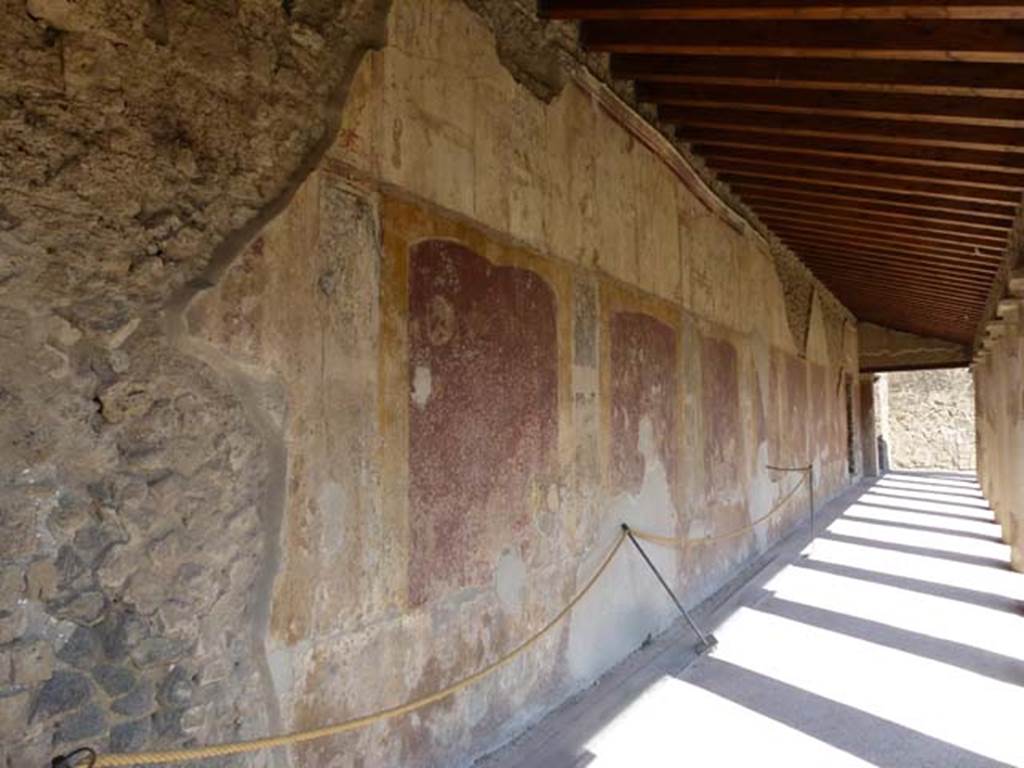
x=926 y=419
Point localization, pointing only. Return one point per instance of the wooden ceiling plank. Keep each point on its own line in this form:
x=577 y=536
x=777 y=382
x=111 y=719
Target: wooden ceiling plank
x=916 y=107
x=904 y=292
x=922 y=326
x=858 y=237
x=864 y=308
x=954 y=135
x=996 y=213
x=902 y=39
x=892 y=284
x=799 y=239
x=858 y=298
x=850 y=222
x=705 y=140
x=667 y=10
x=926 y=271
x=755 y=194
x=909 y=296
x=931 y=330
x=863 y=305
x=931 y=77
x=943 y=191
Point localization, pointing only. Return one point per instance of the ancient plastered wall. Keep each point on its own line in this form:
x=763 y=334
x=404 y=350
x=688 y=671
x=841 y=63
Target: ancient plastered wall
x=930 y=422
x=502 y=328
x=232 y=522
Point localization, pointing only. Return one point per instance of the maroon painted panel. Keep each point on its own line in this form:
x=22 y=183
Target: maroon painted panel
x=643 y=384
x=721 y=401
x=484 y=428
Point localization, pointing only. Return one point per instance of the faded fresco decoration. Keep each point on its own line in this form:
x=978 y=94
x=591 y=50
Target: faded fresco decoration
x=482 y=414
x=644 y=382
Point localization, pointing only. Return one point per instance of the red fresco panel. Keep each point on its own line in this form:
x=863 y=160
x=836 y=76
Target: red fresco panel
x=485 y=426
x=643 y=384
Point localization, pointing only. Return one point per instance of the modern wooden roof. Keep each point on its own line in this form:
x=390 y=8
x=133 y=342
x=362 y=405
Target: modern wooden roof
x=882 y=141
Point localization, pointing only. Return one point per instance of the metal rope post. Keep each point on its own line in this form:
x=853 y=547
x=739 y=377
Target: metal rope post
x=810 y=479
x=809 y=469
x=707 y=642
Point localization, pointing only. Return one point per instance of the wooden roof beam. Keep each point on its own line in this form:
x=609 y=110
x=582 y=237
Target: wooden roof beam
x=850 y=222
x=955 y=135
x=922 y=107
x=942 y=191
x=704 y=140
x=889 y=251
x=778 y=9
x=928 y=77
x=908 y=296
x=859 y=237
x=995 y=213
x=922 y=270
x=760 y=194
x=903 y=39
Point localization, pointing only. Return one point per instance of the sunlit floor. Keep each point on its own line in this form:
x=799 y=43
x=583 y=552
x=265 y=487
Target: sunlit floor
x=895 y=638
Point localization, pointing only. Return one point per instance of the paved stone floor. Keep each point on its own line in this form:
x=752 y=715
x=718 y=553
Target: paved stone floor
x=895 y=638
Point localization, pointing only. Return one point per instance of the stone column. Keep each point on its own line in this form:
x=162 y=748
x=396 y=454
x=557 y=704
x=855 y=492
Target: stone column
x=868 y=438
x=1012 y=474
x=1001 y=423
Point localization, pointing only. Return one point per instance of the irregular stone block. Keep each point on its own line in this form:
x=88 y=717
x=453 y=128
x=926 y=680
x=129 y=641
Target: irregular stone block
x=167 y=723
x=62 y=693
x=157 y=650
x=113 y=679
x=137 y=702
x=14 y=711
x=129 y=737
x=12 y=586
x=83 y=649
x=83 y=609
x=89 y=721
x=32 y=662
x=177 y=688
x=41 y=577
x=13 y=624
x=125 y=400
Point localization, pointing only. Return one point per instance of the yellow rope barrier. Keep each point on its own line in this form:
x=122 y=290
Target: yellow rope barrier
x=672 y=541
x=222 y=750
x=298 y=737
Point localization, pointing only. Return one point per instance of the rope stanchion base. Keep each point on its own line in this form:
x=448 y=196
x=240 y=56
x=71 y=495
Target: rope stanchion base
x=705 y=642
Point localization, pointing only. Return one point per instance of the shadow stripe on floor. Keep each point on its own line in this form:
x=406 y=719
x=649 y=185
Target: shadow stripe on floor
x=968 y=657
x=939 y=554
x=837 y=724
x=963 y=594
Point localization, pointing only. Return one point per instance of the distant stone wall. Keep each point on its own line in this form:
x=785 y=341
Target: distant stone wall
x=928 y=421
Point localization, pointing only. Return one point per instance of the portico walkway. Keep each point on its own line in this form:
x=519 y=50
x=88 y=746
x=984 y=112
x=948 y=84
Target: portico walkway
x=896 y=638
